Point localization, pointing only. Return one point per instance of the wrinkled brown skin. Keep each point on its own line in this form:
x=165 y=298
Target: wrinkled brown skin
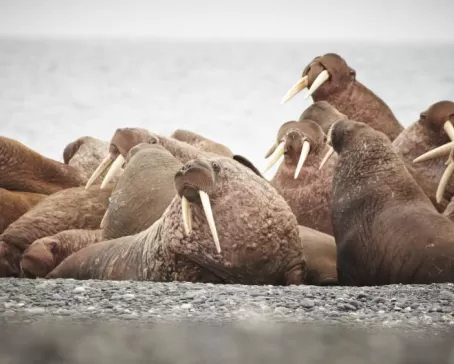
x=386 y=229
x=73 y=208
x=351 y=97
x=14 y=204
x=85 y=154
x=22 y=169
x=143 y=191
x=309 y=196
x=46 y=253
x=258 y=234
x=320 y=251
x=426 y=134
x=324 y=114
x=202 y=143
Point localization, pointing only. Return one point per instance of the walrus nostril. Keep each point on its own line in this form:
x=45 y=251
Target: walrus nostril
x=186 y=167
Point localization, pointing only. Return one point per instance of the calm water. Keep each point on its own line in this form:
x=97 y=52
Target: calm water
x=52 y=92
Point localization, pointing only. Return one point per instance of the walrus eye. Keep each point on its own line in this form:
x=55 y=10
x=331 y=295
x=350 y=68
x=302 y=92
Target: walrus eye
x=216 y=166
x=422 y=116
x=153 y=141
x=353 y=73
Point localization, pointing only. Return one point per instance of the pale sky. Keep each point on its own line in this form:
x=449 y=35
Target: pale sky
x=389 y=20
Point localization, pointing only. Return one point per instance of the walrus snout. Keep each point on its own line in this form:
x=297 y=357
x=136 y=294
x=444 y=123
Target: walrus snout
x=194 y=183
x=38 y=258
x=121 y=143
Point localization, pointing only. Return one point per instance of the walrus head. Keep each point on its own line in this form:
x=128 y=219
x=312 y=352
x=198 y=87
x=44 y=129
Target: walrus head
x=121 y=143
x=325 y=75
x=323 y=113
x=296 y=141
x=226 y=206
x=39 y=258
x=438 y=119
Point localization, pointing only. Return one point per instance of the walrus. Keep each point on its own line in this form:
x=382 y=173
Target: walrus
x=320 y=252
x=46 y=253
x=201 y=142
x=126 y=138
x=72 y=208
x=225 y=225
x=425 y=141
x=385 y=227
x=331 y=79
x=325 y=114
x=305 y=187
x=143 y=191
x=85 y=154
x=13 y=204
x=23 y=169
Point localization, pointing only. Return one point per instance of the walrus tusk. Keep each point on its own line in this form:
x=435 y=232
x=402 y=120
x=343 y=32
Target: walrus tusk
x=449 y=129
x=103 y=221
x=116 y=167
x=303 y=156
x=187 y=215
x=327 y=156
x=106 y=162
x=435 y=153
x=271 y=150
x=296 y=88
x=444 y=180
x=320 y=80
x=278 y=153
x=209 y=214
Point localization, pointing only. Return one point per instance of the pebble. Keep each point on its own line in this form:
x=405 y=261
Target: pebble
x=79 y=289
x=114 y=300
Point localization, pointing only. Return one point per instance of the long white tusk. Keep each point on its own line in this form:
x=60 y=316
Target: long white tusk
x=209 y=214
x=278 y=153
x=103 y=221
x=327 y=156
x=320 y=80
x=449 y=129
x=187 y=215
x=303 y=156
x=296 y=88
x=116 y=166
x=106 y=162
x=444 y=181
x=435 y=153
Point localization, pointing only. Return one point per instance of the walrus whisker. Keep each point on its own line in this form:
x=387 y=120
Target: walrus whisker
x=295 y=89
x=106 y=162
x=187 y=215
x=278 y=153
x=435 y=153
x=327 y=156
x=303 y=156
x=209 y=215
x=444 y=180
x=320 y=80
x=449 y=129
x=114 y=169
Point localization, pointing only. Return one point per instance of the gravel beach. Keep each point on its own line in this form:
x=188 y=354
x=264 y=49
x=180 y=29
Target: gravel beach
x=193 y=323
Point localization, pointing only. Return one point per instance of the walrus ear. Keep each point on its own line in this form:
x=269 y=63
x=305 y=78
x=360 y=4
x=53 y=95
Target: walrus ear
x=247 y=163
x=71 y=149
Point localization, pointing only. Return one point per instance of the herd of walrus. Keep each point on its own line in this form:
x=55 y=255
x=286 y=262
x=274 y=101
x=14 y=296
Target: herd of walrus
x=356 y=200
